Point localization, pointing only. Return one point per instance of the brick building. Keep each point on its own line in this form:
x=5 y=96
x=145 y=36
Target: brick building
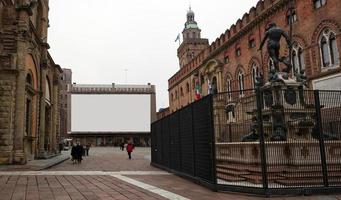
x=29 y=83
x=232 y=61
x=65 y=103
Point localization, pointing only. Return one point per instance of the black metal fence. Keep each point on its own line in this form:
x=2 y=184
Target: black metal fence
x=183 y=142
x=269 y=141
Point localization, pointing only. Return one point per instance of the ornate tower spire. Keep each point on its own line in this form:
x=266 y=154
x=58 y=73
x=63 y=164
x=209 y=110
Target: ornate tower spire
x=191 y=29
x=192 y=43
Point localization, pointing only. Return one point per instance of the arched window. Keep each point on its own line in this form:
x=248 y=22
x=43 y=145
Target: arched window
x=319 y=3
x=47 y=91
x=181 y=91
x=291 y=17
x=297 y=58
x=172 y=97
x=187 y=87
x=229 y=87
x=193 y=35
x=255 y=73
x=176 y=94
x=252 y=41
x=241 y=83
x=334 y=53
x=328 y=49
x=238 y=52
x=29 y=79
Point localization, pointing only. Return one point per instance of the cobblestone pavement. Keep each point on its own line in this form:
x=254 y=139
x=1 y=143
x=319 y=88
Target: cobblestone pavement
x=108 y=174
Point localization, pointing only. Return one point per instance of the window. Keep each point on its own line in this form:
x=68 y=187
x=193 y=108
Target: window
x=226 y=59
x=297 y=58
x=172 y=97
x=319 y=3
x=328 y=49
x=187 y=87
x=202 y=79
x=176 y=94
x=193 y=35
x=238 y=52
x=255 y=73
x=270 y=64
x=181 y=92
x=229 y=88
x=241 y=83
x=291 y=17
x=252 y=43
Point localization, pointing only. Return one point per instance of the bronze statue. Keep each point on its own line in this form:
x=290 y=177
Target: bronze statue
x=274 y=35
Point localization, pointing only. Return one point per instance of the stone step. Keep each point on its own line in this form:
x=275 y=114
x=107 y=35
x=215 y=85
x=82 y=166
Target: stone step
x=229 y=178
x=232 y=172
x=309 y=175
x=305 y=182
x=250 y=168
x=257 y=179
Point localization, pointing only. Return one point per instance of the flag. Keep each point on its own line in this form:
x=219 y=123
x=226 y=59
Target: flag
x=177 y=37
x=197 y=92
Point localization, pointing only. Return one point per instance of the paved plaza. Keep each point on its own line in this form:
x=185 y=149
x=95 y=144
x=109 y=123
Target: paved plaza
x=108 y=174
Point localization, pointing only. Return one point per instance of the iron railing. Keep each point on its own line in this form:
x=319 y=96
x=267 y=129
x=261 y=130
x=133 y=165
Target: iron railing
x=264 y=141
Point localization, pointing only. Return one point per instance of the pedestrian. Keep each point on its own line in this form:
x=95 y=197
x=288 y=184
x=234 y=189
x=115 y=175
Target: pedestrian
x=130 y=147
x=79 y=152
x=87 y=148
x=122 y=146
x=74 y=154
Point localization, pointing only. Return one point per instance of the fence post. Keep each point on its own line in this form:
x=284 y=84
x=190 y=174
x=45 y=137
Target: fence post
x=261 y=138
x=321 y=138
x=213 y=146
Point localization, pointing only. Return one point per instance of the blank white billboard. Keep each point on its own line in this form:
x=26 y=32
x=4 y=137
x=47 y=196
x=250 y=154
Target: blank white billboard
x=110 y=113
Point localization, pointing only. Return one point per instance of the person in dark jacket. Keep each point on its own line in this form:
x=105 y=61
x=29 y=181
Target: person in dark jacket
x=87 y=148
x=74 y=153
x=122 y=146
x=79 y=152
x=130 y=147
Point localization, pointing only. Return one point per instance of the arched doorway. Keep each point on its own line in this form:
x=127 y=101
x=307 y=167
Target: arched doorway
x=30 y=109
x=47 y=138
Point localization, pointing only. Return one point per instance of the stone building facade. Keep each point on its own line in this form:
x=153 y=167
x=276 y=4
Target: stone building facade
x=29 y=83
x=232 y=61
x=114 y=138
x=65 y=103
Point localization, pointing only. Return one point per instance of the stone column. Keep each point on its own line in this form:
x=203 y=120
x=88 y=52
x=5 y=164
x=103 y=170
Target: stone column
x=54 y=112
x=22 y=46
x=19 y=155
x=220 y=80
x=41 y=150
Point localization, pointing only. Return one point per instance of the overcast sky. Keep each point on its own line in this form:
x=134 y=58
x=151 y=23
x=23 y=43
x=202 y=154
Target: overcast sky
x=99 y=39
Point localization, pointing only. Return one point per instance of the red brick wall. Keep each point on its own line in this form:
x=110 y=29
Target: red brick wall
x=306 y=31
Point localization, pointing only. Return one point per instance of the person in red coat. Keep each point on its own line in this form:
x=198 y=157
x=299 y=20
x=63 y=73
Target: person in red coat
x=130 y=147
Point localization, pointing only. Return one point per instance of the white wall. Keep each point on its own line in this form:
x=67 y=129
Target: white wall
x=110 y=113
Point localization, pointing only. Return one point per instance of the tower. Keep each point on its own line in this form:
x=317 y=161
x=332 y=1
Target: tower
x=192 y=43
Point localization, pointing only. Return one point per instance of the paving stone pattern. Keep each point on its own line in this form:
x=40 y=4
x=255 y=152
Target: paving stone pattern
x=99 y=176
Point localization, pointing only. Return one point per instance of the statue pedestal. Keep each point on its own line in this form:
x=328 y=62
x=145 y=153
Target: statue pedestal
x=289 y=163
x=287 y=111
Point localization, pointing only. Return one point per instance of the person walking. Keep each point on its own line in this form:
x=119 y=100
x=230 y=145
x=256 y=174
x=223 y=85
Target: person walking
x=130 y=147
x=87 y=148
x=122 y=146
x=79 y=152
x=74 y=153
